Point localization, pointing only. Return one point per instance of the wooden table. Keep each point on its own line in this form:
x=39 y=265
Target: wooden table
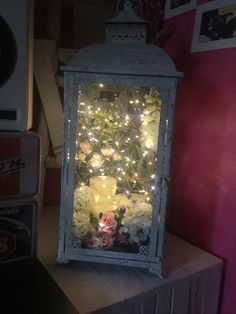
x=191 y=286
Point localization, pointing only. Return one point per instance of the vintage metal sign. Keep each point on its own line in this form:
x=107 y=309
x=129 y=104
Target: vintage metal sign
x=17 y=230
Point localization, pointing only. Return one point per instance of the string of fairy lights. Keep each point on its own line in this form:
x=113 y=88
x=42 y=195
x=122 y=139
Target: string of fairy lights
x=113 y=138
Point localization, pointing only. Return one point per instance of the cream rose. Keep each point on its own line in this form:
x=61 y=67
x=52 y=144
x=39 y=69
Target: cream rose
x=96 y=161
x=86 y=148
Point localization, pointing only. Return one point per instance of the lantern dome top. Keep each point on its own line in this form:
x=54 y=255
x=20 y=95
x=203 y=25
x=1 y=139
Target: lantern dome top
x=135 y=59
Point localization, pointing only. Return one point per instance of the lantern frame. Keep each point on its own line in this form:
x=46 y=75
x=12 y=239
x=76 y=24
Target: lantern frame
x=138 y=65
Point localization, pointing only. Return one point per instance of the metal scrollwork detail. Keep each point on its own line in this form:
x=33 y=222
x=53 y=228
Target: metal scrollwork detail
x=144 y=250
x=73 y=245
x=83 y=88
x=76 y=243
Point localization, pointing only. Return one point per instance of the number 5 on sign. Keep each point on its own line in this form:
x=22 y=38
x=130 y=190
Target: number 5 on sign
x=7 y=244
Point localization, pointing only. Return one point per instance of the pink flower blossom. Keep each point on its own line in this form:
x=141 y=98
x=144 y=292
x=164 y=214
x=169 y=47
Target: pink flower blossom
x=107 y=223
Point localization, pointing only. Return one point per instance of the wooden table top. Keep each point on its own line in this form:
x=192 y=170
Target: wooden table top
x=92 y=286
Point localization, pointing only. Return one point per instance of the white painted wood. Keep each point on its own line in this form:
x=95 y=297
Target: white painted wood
x=212 y=277
x=148 y=304
x=48 y=90
x=164 y=301
x=180 y=297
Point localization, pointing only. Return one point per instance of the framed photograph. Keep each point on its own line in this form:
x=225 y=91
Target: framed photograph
x=215 y=26
x=176 y=7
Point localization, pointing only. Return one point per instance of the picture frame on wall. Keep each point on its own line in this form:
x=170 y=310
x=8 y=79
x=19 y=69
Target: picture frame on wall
x=177 y=7
x=215 y=26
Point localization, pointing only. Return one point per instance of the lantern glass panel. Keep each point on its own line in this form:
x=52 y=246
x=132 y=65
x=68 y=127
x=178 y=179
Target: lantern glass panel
x=114 y=171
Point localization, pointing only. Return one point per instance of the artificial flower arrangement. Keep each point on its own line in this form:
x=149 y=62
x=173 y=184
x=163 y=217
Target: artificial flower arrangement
x=125 y=228
x=117 y=139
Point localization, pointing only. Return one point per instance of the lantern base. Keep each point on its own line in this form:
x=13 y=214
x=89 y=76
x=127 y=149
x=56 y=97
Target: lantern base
x=62 y=260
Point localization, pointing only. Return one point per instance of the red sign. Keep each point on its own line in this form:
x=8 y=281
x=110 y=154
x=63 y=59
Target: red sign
x=19 y=164
x=7 y=244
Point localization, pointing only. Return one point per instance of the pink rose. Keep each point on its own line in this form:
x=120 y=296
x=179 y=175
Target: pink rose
x=86 y=148
x=107 y=222
x=106 y=241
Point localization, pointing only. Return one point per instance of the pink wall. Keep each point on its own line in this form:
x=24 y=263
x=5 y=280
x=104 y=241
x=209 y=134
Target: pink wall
x=203 y=186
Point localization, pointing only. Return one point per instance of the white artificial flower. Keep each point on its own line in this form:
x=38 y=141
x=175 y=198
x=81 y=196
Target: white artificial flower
x=137 y=222
x=83 y=199
x=80 y=224
x=149 y=128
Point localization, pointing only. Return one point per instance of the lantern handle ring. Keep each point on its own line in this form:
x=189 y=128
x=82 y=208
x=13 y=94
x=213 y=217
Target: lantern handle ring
x=128 y=6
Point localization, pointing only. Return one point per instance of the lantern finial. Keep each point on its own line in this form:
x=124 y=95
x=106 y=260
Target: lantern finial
x=128 y=5
x=126 y=27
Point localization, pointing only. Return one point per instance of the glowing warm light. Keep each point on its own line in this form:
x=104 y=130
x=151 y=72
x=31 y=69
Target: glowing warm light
x=149 y=143
x=120 y=158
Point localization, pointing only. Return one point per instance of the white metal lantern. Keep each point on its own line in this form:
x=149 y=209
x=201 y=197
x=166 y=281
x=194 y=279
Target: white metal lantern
x=119 y=103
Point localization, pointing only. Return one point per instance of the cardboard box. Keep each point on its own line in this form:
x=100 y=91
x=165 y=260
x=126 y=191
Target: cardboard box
x=20 y=155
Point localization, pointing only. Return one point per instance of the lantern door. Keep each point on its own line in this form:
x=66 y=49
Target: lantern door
x=115 y=169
